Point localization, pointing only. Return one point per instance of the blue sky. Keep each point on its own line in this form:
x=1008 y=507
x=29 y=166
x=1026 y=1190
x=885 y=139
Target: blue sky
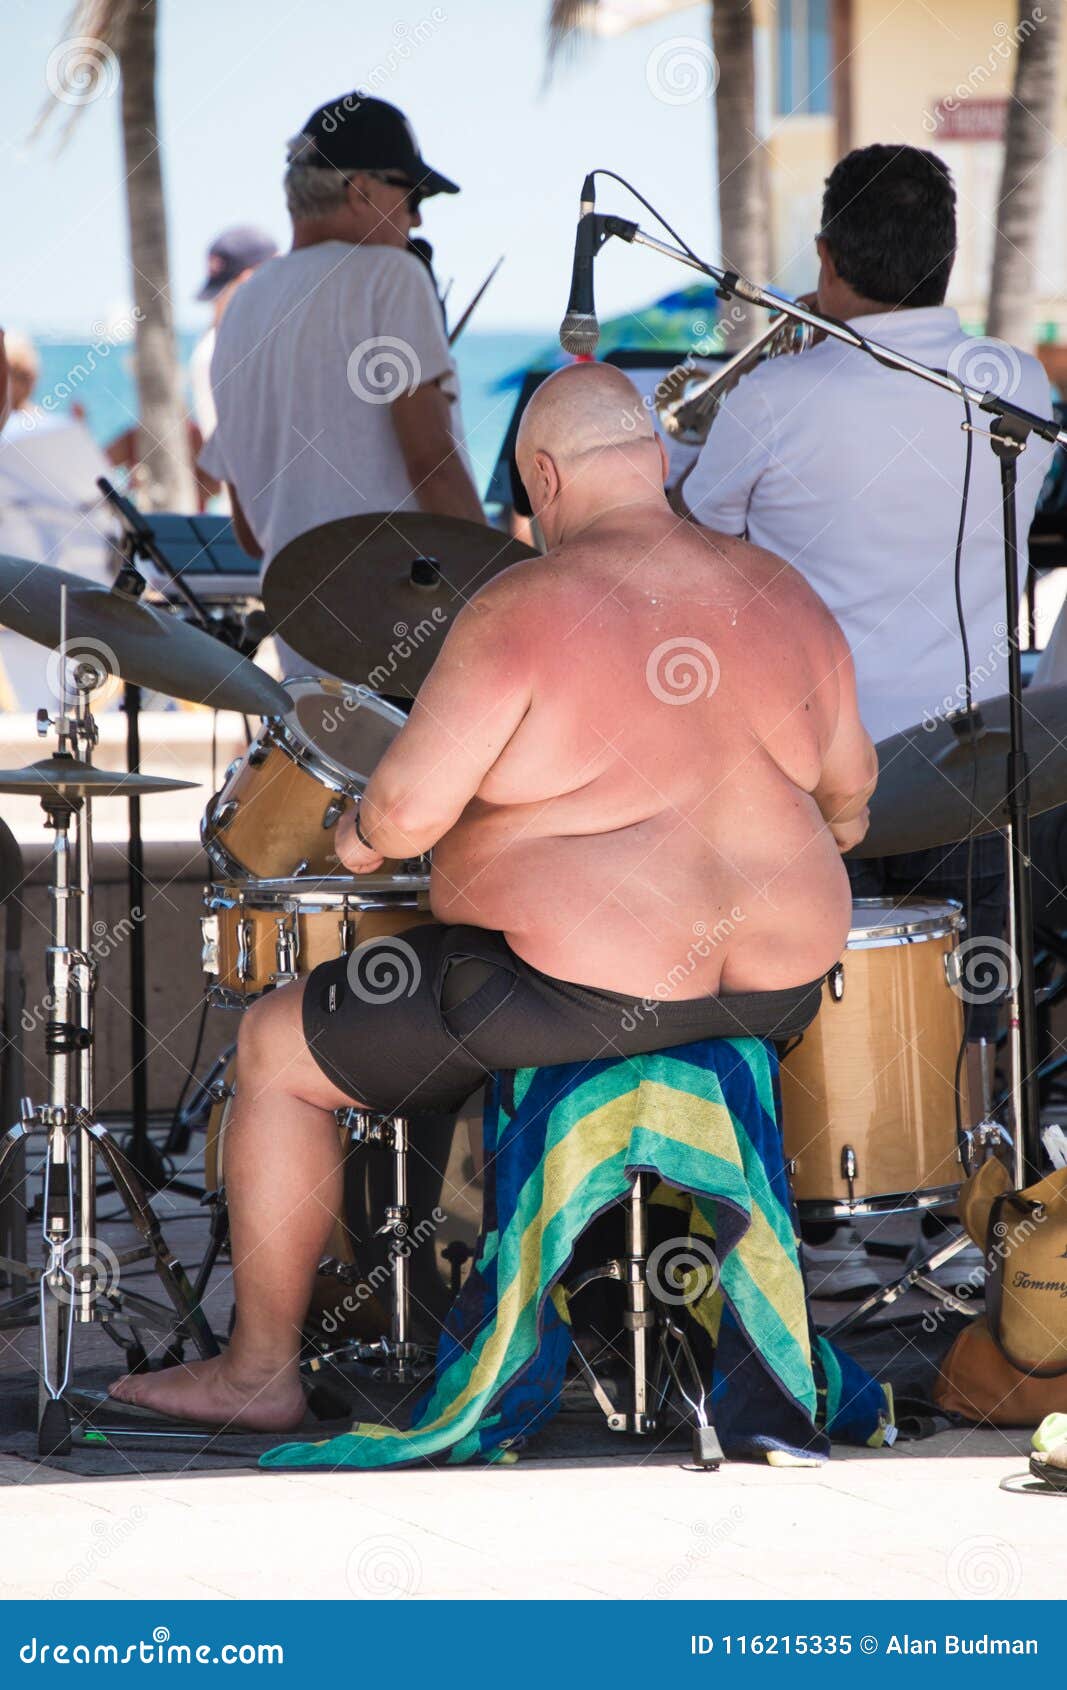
x=238 y=77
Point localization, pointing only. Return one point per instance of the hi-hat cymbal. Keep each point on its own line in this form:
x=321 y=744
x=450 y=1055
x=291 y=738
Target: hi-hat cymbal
x=71 y=778
x=935 y=787
x=371 y=597
x=137 y=641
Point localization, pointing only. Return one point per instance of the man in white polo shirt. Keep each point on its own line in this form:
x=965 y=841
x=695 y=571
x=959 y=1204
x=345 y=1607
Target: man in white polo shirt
x=853 y=472
x=332 y=375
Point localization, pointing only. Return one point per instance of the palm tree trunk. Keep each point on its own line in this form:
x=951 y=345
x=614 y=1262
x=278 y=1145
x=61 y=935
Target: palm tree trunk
x=1028 y=139
x=164 y=453
x=743 y=212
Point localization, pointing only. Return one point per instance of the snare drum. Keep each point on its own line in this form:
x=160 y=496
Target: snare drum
x=869 y=1094
x=276 y=812
x=266 y=933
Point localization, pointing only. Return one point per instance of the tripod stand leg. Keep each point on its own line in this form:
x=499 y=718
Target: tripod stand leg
x=191 y=1322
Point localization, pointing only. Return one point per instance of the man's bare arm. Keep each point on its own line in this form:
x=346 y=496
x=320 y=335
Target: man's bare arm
x=435 y=466
x=245 y=537
x=850 y=764
x=467 y=710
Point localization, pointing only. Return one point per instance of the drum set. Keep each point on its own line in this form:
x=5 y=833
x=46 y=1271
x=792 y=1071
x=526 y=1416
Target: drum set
x=875 y=1113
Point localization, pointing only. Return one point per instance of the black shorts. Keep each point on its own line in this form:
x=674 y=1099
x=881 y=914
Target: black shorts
x=941 y=872
x=418 y=1021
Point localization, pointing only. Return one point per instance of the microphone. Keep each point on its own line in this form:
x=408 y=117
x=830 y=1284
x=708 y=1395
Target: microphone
x=579 y=331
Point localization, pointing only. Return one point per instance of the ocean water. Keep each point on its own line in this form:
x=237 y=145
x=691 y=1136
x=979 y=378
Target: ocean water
x=99 y=378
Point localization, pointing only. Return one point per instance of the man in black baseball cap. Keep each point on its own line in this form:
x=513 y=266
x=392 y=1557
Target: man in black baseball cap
x=336 y=390
x=358 y=133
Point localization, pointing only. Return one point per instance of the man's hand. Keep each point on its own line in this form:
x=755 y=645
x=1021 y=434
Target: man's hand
x=351 y=851
x=851 y=832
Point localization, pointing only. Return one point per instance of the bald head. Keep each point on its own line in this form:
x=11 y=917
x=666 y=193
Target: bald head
x=582 y=409
x=586 y=441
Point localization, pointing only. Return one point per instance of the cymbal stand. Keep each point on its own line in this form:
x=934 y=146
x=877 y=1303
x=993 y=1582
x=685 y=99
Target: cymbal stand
x=79 y=1281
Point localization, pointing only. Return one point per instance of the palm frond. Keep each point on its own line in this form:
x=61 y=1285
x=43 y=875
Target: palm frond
x=85 y=52
x=567 y=21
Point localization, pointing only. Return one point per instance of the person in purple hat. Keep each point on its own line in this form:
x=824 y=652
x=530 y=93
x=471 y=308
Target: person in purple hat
x=332 y=375
x=231 y=259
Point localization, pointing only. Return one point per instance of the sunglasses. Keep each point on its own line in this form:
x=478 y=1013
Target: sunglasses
x=415 y=195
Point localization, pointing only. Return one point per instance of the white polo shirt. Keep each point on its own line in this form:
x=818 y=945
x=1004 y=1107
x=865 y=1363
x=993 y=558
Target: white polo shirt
x=853 y=473
x=310 y=353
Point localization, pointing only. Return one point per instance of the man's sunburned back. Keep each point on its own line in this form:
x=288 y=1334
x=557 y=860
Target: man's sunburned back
x=649 y=827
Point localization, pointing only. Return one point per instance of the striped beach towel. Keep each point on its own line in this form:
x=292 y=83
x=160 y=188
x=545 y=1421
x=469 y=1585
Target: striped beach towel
x=562 y=1145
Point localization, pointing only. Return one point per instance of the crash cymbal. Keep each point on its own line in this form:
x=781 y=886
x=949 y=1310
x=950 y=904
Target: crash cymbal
x=371 y=597
x=137 y=641
x=75 y=779
x=934 y=787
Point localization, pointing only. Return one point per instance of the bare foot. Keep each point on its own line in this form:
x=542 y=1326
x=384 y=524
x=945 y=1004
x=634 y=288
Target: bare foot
x=215 y=1393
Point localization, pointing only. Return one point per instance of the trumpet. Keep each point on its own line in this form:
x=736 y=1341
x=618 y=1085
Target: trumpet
x=691 y=398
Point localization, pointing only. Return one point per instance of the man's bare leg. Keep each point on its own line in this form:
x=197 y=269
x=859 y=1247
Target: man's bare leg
x=283 y=1186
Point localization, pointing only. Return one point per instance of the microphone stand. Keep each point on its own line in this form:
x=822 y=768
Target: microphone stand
x=139 y=542
x=1010 y=429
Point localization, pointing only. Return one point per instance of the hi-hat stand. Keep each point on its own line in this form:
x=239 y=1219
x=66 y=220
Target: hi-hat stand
x=81 y=1279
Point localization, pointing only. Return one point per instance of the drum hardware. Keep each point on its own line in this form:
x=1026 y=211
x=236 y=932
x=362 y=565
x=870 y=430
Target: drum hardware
x=849 y=1172
x=659 y=1345
x=836 y=982
x=72 y=1286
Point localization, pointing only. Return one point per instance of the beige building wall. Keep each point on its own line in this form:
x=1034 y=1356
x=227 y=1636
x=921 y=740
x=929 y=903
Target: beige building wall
x=905 y=59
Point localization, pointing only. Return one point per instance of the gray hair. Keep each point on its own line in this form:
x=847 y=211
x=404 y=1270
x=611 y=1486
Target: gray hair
x=311 y=190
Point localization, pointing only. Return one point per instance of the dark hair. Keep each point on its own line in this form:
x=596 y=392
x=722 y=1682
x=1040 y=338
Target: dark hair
x=889 y=220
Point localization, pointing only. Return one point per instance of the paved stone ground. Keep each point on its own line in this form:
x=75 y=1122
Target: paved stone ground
x=585 y=1513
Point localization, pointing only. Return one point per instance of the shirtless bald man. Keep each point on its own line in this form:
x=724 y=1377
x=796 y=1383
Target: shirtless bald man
x=644 y=738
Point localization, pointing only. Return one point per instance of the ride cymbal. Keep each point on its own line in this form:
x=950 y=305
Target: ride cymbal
x=371 y=597
x=125 y=636
x=935 y=787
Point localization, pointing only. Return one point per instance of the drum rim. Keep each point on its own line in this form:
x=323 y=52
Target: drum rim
x=945 y=919
x=373 y=892
x=307 y=752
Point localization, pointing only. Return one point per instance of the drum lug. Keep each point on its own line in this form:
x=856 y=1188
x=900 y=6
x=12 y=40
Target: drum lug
x=256 y=755
x=345 y=934
x=301 y=868
x=231 y=770
x=222 y=814
x=209 y=944
x=849 y=1170
x=953 y=974
x=244 y=949
x=333 y=812
x=286 y=949
x=836 y=982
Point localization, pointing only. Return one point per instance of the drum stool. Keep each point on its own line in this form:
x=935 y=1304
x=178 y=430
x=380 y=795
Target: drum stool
x=659 y=1346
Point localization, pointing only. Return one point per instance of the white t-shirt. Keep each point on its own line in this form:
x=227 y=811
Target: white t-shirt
x=853 y=473
x=310 y=353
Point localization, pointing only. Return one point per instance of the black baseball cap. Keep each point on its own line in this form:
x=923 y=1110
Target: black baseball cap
x=356 y=132
x=232 y=253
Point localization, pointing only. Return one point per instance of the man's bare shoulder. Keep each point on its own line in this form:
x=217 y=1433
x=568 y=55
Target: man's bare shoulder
x=772 y=576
